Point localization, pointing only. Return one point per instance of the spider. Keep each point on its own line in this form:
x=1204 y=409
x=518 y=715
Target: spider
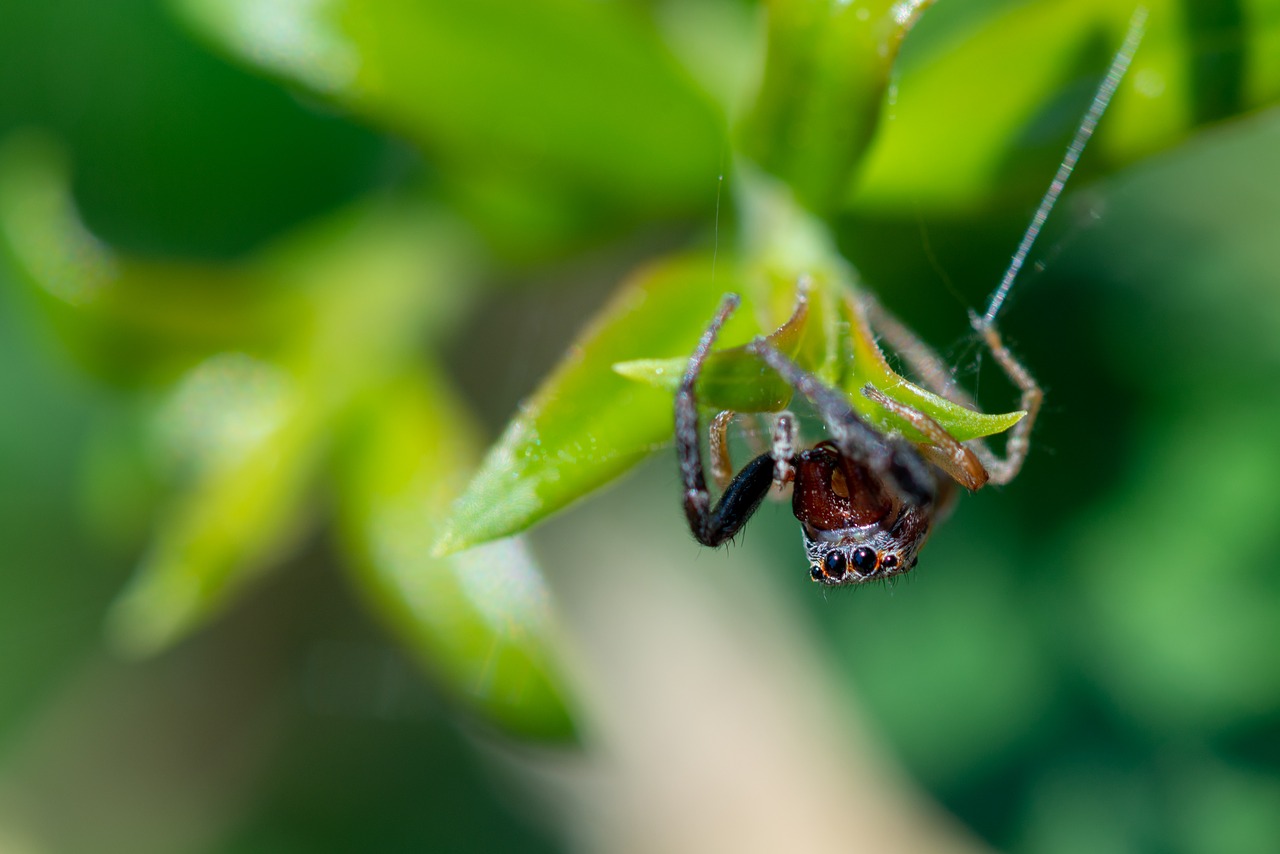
x=865 y=500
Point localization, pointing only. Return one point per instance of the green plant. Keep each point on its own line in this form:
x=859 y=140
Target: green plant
x=548 y=127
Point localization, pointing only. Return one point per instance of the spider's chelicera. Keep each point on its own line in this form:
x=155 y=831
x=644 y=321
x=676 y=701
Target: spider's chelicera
x=865 y=499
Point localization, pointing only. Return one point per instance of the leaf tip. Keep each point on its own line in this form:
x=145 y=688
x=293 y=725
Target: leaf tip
x=660 y=373
x=448 y=543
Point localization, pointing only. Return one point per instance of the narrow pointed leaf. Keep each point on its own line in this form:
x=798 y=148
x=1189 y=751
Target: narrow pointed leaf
x=480 y=619
x=250 y=434
x=731 y=378
x=867 y=366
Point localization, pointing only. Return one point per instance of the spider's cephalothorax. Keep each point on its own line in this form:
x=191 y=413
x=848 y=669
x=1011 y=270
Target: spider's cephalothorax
x=865 y=499
x=855 y=527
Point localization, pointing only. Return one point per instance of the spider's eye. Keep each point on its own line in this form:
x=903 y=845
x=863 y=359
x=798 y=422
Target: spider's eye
x=833 y=564
x=889 y=562
x=864 y=559
x=815 y=573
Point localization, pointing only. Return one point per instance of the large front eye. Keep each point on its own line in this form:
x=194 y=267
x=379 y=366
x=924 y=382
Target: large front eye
x=833 y=564
x=864 y=559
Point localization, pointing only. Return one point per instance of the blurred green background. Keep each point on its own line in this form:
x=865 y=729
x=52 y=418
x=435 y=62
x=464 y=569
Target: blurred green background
x=324 y=249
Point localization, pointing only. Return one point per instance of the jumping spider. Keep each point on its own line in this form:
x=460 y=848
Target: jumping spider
x=865 y=499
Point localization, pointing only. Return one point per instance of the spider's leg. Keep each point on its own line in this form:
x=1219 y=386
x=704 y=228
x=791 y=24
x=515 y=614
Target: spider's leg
x=713 y=526
x=925 y=363
x=891 y=457
x=1005 y=469
x=721 y=461
x=945 y=451
x=781 y=448
x=933 y=372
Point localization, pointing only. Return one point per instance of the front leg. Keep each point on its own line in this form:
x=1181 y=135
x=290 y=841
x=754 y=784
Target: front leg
x=713 y=526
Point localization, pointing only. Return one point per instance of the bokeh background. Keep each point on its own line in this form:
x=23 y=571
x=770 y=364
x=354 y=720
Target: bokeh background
x=1086 y=660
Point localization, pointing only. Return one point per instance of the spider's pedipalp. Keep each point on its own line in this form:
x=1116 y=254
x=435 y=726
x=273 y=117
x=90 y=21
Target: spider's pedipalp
x=783 y=449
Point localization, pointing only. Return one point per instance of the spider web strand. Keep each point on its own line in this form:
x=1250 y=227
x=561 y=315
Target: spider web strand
x=1101 y=99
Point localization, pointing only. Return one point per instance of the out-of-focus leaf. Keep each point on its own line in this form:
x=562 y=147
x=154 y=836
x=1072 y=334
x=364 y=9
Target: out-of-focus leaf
x=586 y=424
x=824 y=84
x=963 y=130
x=250 y=433
x=576 y=89
x=1173 y=643
x=244 y=505
x=124 y=318
x=480 y=618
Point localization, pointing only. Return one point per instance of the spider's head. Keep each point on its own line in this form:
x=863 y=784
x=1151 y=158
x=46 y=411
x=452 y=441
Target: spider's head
x=871 y=553
x=856 y=527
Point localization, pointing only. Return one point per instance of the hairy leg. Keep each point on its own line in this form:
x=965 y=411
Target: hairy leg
x=947 y=453
x=721 y=462
x=933 y=372
x=783 y=448
x=925 y=363
x=713 y=526
x=1005 y=469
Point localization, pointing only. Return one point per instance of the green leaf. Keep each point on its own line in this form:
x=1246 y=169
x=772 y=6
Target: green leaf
x=825 y=78
x=125 y=319
x=566 y=90
x=963 y=130
x=481 y=619
x=249 y=434
x=587 y=424
x=733 y=379
x=865 y=365
x=244 y=428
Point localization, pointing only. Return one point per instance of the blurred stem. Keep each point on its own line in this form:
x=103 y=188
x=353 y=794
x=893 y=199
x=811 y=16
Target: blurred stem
x=826 y=71
x=782 y=244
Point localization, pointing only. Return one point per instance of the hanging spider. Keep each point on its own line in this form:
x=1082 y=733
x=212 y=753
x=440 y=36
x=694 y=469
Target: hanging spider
x=866 y=499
